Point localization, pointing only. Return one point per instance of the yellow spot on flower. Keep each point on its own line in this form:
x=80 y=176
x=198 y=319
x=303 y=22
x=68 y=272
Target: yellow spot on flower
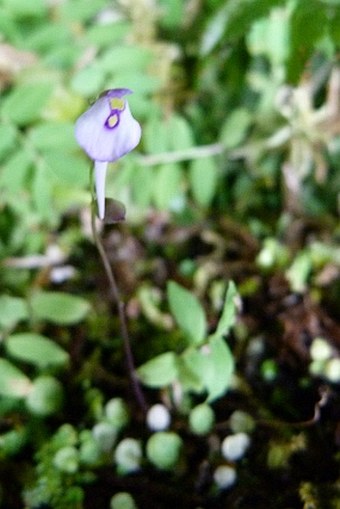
x=112 y=120
x=117 y=104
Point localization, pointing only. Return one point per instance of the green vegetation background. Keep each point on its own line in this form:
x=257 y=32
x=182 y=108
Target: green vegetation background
x=228 y=260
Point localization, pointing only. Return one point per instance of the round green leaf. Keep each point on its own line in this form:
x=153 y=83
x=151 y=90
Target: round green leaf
x=25 y=103
x=218 y=367
x=167 y=185
x=13 y=383
x=72 y=170
x=36 y=349
x=12 y=311
x=187 y=312
x=203 y=177
x=159 y=371
x=58 y=307
x=235 y=127
x=45 y=397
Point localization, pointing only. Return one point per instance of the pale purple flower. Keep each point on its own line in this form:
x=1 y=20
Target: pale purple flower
x=107 y=131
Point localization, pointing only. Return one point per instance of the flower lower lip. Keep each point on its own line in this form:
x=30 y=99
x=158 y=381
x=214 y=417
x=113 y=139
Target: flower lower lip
x=112 y=121
x=107 y=131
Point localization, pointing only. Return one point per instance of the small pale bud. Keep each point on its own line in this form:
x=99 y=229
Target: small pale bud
x=234 y=446
x=320 y=350
x=332 y=370
x=225 y=476
x=158 y=418
x=128 y=455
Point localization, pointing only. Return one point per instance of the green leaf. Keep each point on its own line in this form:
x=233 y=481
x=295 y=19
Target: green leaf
x=334 y=25
x=58 y=307
x=53 y=135
x=141 y=81
x=167 y=186
x=25 y=103
x=214 y=30
x=180 y=133
x=217 y=367
x=171 y=135
x=242 y=13
x=120 y=58
x=104 y=35
x=36 y=349
x=80 y=10
x=232 y=21
x=235 y=127
x=72 y=170
x=270 y=36
x=14 y=173
x=299 y=271
x=187 y=312
x=203 y=177
x=189 y=370
x=9 y=29
x=63 y=56
x=12 y=311
x=155 y=136
x=89 y=80
x=48 y=36
x=142 y=185
x=22 y=8
x=13 y=383
x=8 y=135
x=208 y=368
x=304 y=36
x=159 y=371
x=172 y=13
x=228 y=316
x=42 y=194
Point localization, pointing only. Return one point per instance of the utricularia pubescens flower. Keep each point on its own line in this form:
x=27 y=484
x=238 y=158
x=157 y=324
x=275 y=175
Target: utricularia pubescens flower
x=107 y=131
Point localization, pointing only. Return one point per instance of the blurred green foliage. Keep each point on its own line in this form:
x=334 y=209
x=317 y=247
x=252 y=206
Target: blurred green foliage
x=240 y=107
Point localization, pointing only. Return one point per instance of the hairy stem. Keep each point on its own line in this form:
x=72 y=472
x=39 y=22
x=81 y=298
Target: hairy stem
x=120 y=306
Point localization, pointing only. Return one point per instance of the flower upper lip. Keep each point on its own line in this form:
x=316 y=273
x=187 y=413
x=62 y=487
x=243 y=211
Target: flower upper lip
x=101 y=140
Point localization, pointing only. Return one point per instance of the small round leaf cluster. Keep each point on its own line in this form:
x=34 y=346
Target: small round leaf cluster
x=122 y=500
x=45 y=396
x=234 y=448
x=115 y=418
x=163 y=449
x=323 y=363
x=94 y=447
x=128 y=455
x=201 y=419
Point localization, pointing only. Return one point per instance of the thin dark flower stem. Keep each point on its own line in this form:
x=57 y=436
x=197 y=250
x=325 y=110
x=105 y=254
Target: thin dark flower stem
x=120 y=306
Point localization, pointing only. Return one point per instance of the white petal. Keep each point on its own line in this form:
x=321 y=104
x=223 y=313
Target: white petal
x=102 y=143
x=100 y=169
